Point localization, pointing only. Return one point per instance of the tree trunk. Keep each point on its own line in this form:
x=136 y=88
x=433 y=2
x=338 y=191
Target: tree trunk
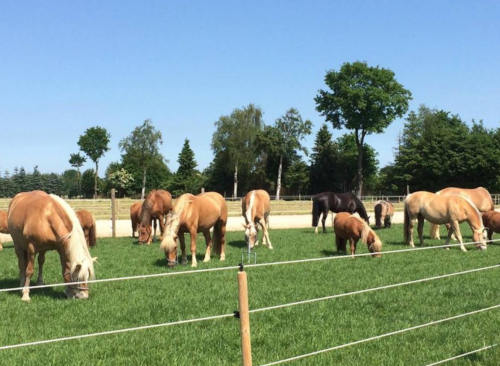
x=79 y=184
x=143 y=191
x=359 y=171
x=278 y=183
x=95 y=179
x=235 y=192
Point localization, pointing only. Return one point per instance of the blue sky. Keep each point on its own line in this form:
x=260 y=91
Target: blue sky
x=66 y=66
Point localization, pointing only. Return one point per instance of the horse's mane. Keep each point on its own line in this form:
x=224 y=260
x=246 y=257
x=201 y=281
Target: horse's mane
x=473 y=206
x=248 y=213
x=147 y=209
x=172 y=226
x=77 y=246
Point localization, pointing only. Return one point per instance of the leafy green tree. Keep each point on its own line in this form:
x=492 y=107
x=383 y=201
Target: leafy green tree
x=94 y=143
x=121 y=180
x=141 y=149
x=19 y=180
x=187 y=179
x=88 y=183
x=77 y=161
x=34 y=180
x=53 y=184
x=363 y=99
x=297 y=178
x=235 y=139
x=71 y=179
x=324 y=160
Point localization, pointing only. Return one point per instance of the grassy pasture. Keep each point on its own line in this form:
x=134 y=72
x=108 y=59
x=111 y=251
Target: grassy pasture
x=276 y=334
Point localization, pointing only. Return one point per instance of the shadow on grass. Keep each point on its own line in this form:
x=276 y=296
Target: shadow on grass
x=237 y=244
x=163 y=262
x=46 y=291
x=331 y=253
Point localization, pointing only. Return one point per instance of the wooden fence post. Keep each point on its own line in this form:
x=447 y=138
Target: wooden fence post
x=113 y=214
x=244 y=315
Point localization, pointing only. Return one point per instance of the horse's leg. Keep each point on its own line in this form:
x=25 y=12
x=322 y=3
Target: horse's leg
x=265 y=234
x=41 y=261
x=183 y=248
x=420 y=229
x=452 y=235
x=353 y=246
x=455 y=227
x=490 y=234
x=323 y=219
x=162 y=225
x=29 y=264
x=208 y=241
x=222 y=238
x=192 y=234
x=151 y=238
x=21 y=262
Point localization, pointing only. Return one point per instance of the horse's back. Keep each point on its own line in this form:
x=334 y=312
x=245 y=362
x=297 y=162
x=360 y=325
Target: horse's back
x=86 y=218
x=480 y=196
x=259 y=204
x=347 y=226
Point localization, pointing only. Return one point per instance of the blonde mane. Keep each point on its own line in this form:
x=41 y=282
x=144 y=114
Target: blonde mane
x=172 y=226
x=248 y=213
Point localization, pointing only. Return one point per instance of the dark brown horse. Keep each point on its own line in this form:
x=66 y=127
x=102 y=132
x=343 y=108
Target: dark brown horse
x=87 y=221
x=157 y=205
x=39 y=222
x=336 y=202
x=4 y=229
x=352 y=228
x=195 y=214
x=255 y=208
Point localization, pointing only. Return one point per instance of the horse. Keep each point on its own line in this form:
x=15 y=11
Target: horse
x=352 y=228
x=4 y=229
x=255 y=208
x=438 y=209
x=39 y=222
x=383 y=210
x=193 y=214
x=157 y=204
x=135 y=217
x=491 y=221
x=479 y=196
x=87 y=221
x=336 y=202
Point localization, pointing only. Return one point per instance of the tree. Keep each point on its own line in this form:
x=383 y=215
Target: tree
x=324 y=160
x=121 y=180
x=187 y=179
x=363 y=99
x=235 y=138
x=94 y=143
x=141 y=149
x=77 y=161
x=88 y=183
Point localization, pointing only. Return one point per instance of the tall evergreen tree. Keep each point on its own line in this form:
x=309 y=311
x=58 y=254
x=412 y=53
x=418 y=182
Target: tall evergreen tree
x=323 y=162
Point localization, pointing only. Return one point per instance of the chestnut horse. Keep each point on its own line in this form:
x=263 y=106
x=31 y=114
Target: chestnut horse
x=194 y=214
x=39 y=222
x=438 y=209
x=4 y=229
x=352 y=228
x=383 y=210
x=135 y=217
x=479 y=196
x=87 y=221
x=255 y=208
x=157 y=204
x=491 y=221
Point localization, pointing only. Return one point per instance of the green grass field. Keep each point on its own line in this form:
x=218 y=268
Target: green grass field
x=276 y=334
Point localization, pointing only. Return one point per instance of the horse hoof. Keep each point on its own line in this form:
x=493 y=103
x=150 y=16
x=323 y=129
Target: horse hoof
x=222 y=259
x=194 y=265
x=270 y=247
x=206 y=260
x=26 y=299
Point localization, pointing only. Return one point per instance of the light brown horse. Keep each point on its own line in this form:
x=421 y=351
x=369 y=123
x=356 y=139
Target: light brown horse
x=491 y=221
x=255 y=208
x=353 y=228
x=479 y=196
x=4 y=229
x=438 y=209
x=383 y=211
x=195 y=214
x=87 y=221
x=39 y=222
x=157 y=205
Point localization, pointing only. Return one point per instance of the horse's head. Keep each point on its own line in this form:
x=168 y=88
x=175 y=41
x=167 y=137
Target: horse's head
x=479 y=237
x=250 y=234
x=169 y=246
x=372 y=240
x=79 y=271
x=144 y=233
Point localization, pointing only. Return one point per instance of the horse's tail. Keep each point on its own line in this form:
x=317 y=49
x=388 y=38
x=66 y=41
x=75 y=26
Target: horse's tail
x=434 y=231
x=378 y=214
x=406 y=226
x=315 y=211
x=92 y=233
x=217 y=237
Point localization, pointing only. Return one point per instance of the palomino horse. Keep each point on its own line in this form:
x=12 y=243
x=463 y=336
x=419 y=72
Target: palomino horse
x=4 y=229
x=39 y=222
x=383 y=211
x=352 y=228
x=440 y=210
x=336 y=202
x=479 y=196
x=157 y=204
x=87 y=221
x=491 y=221
x=255 y=208
x=194 y=214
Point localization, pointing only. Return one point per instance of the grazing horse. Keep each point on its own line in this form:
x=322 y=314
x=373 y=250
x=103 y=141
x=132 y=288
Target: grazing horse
x=383 y=210
x=352 y=228
x=440 y=210
x=157 y=204
x=87 y=221
x=194 y=214
x=255 y=208
x=135 y=217
x=491 y=221
x=4 y=229
x=479 y=196
x=39 y=222
x=336 y=202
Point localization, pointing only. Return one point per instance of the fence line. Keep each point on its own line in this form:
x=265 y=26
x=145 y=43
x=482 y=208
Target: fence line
x=463 y=355
x=382 y=336
x=168 y=274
